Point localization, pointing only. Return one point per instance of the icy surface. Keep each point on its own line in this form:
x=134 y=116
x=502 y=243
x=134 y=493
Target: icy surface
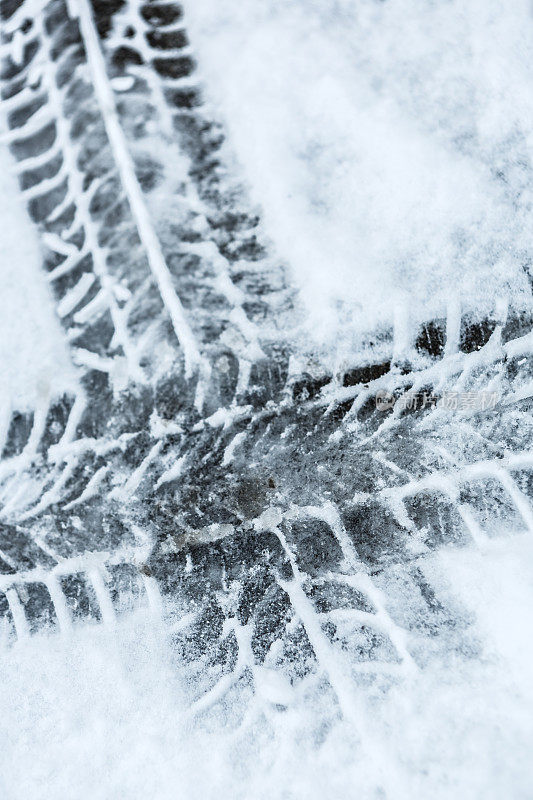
x=389 y=145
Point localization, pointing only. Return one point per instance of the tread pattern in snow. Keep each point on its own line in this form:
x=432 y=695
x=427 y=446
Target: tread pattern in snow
x=278 y=520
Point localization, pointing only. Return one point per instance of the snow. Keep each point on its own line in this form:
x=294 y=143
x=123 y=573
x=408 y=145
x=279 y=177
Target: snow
x=34 y=359
x=389 y=145
x=105 y=712
x=132 y=189
x=371 y=134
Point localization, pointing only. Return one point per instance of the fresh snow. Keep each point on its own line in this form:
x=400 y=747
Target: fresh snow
x=105 y=712
x=34 y=361
x=389 y=145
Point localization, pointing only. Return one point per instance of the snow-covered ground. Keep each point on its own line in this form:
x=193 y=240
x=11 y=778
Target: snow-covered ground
x=104 y=712
x=372 y=134
x=33 y=354
x=389 y=145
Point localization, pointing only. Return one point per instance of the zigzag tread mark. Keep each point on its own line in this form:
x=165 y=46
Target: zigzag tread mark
x=284 y=519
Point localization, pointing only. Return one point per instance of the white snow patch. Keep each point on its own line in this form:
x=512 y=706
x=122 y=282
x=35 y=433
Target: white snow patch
x=389 y=145
x=104 y=713
x=34 y=360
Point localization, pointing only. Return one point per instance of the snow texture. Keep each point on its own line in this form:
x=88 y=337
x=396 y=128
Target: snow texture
x=388 y=147
x=105 y=714
x=33 y=355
